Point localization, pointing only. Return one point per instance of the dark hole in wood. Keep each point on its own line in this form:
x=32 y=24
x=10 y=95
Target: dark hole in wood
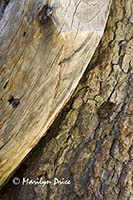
x=24 y=34
x=45 y=14
x=6 y=84
x=14 y=101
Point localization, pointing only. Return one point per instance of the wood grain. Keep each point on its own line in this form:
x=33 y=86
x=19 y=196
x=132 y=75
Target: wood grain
x=41 y=63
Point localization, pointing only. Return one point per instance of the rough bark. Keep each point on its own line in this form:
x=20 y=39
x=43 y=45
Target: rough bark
x=42 y=58
x=91 y=142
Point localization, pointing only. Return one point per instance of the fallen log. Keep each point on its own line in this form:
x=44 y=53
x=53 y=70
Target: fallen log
x=44 y=51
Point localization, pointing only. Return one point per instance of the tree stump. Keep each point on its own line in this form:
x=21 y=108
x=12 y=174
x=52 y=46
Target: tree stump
x=44 y=51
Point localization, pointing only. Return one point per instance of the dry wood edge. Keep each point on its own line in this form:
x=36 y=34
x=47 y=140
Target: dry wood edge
x=41 y=63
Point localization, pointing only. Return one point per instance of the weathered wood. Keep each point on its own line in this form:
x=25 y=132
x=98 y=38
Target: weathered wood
x=41 y=63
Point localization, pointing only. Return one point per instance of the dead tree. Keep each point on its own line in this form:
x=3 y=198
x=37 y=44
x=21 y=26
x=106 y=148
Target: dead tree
x=44 y=49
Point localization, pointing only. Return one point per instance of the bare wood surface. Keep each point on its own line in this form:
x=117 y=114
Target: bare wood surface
x=41 y=63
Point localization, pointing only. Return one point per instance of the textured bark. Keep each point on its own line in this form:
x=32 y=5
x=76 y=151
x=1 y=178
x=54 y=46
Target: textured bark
x=42 y=58
x=91 y=142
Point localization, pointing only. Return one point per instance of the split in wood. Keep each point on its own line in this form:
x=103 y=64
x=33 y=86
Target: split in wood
x=5 y=85
x=3 y=5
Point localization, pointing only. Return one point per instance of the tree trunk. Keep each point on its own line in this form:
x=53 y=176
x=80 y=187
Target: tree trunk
x=90 y=143
x=44 y=50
